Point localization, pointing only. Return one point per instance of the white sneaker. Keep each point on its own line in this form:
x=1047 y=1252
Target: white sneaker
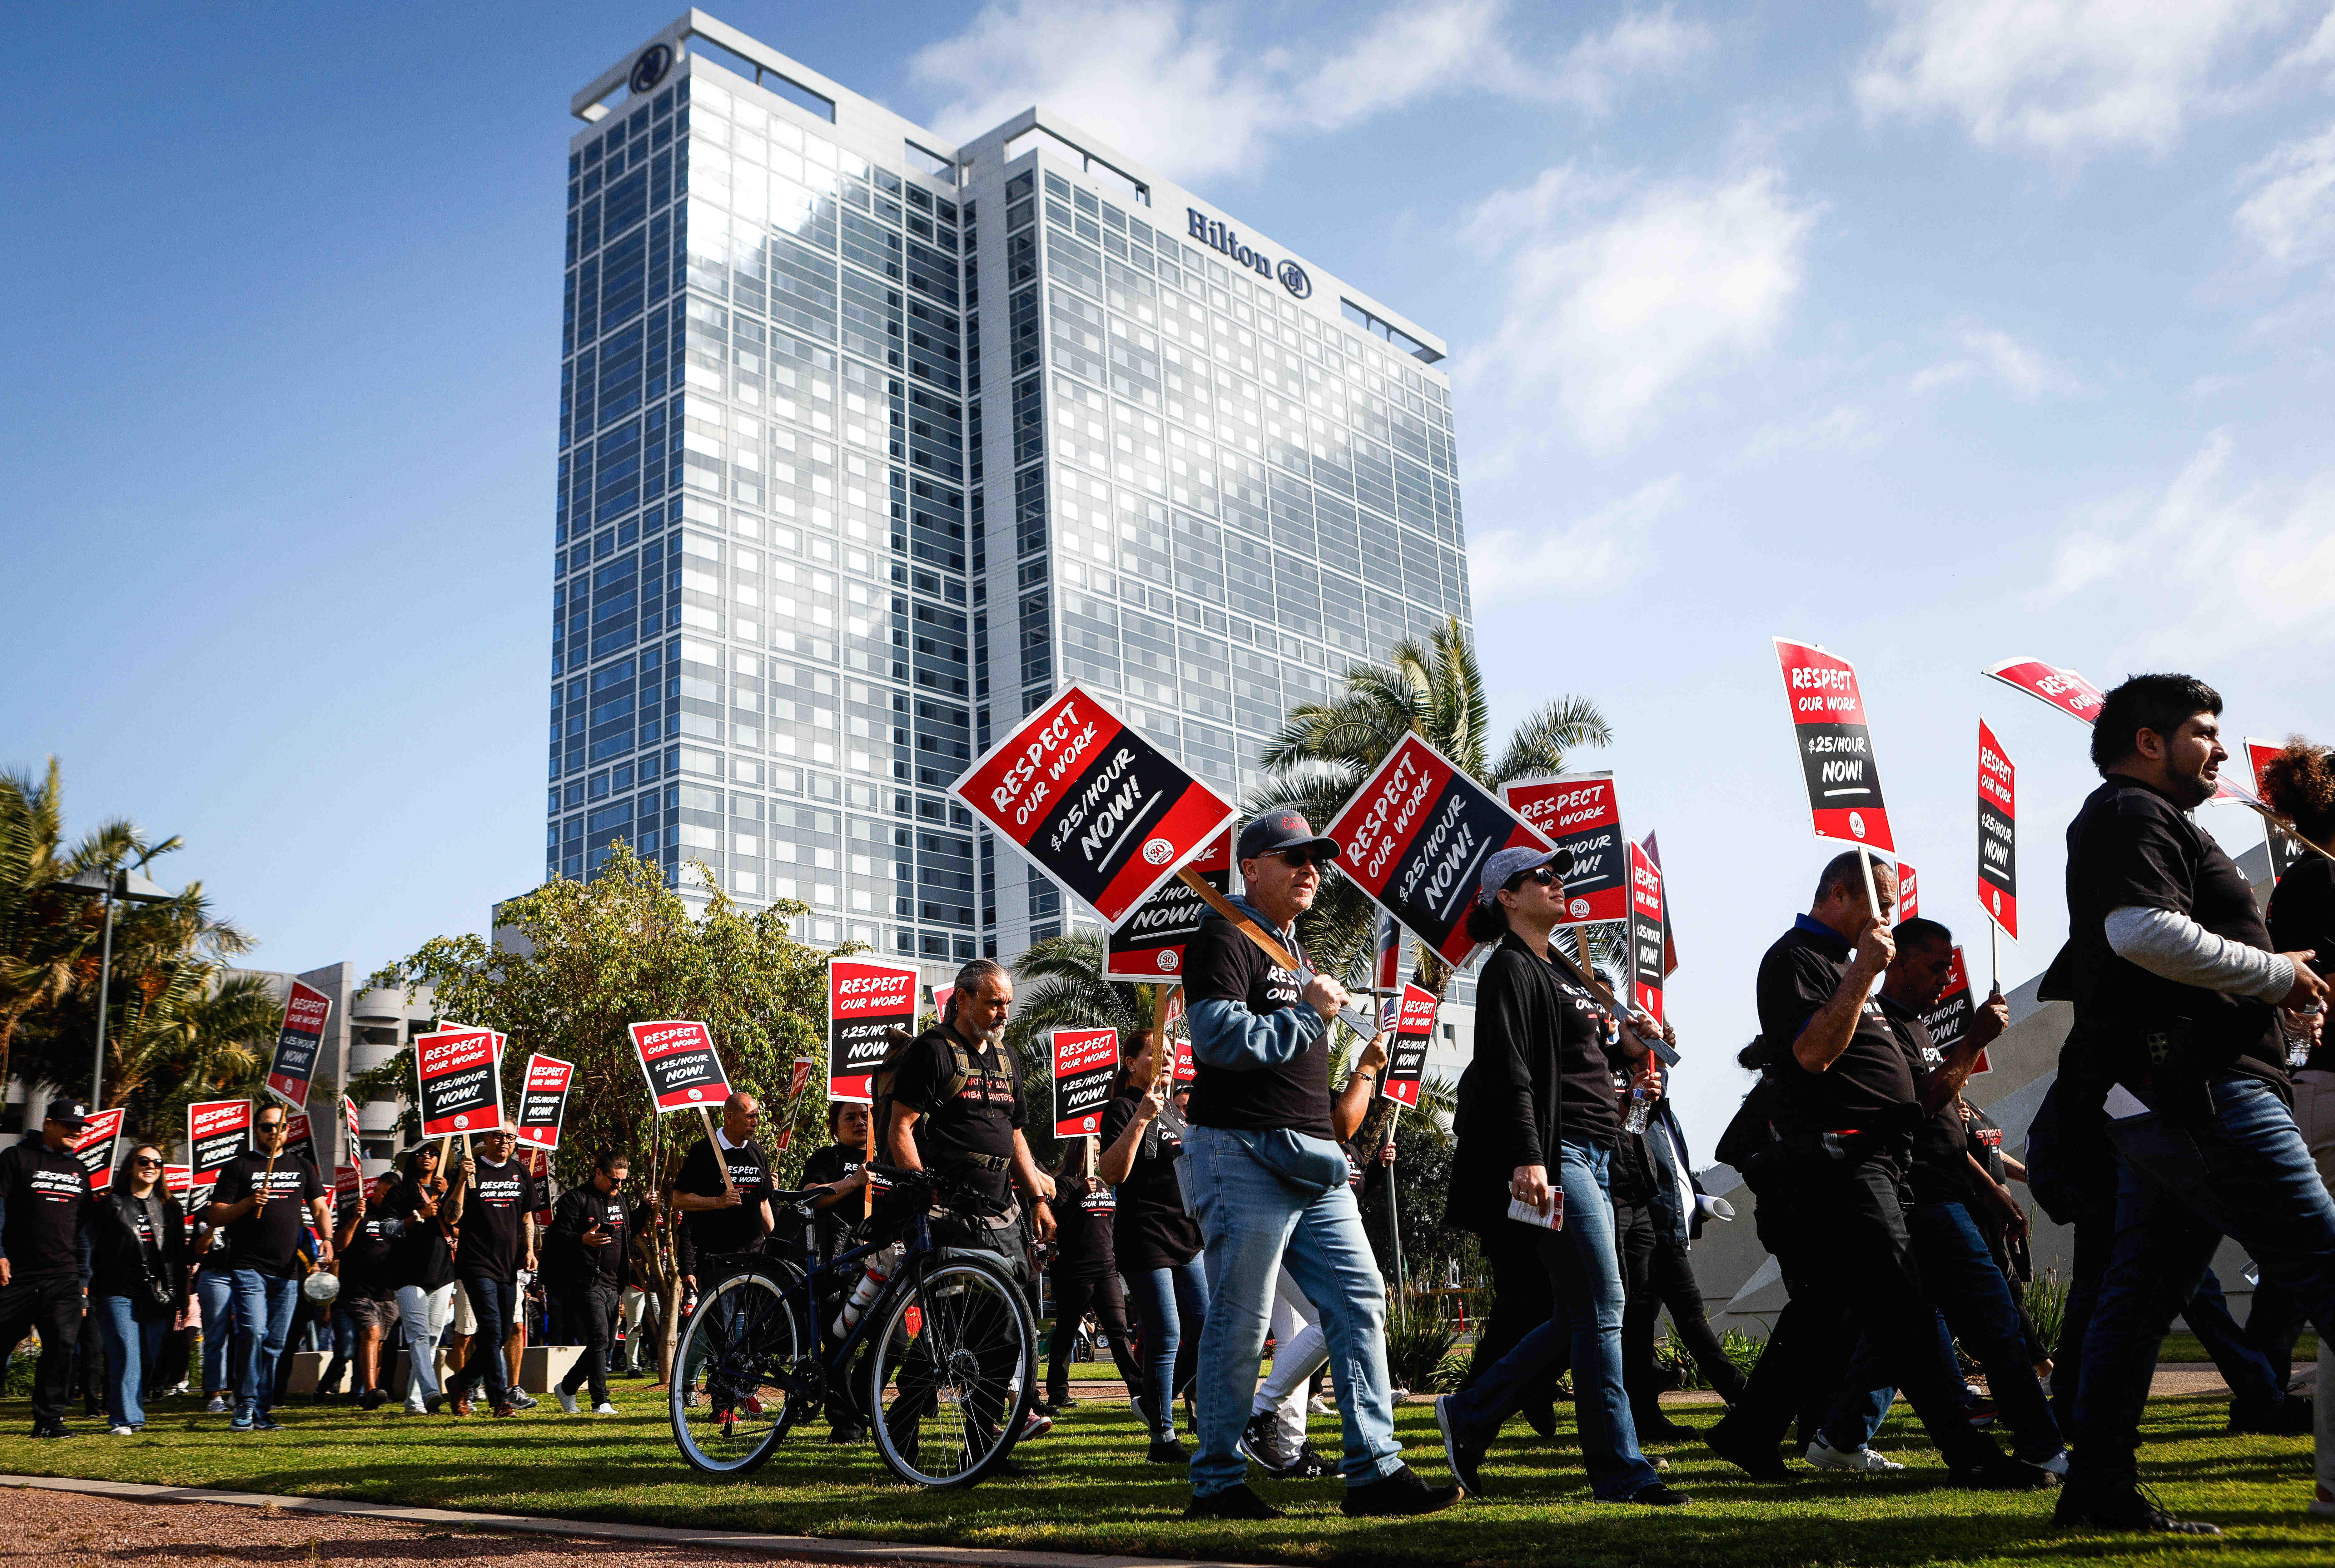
x=1321 y=1406
x=416 y=1408
x=2057 y=1464
x=566 y=1401
x=520 y=1399
x=123 y=1431
x=218 y=1406
x=1862 y=1461
x=605 y=1409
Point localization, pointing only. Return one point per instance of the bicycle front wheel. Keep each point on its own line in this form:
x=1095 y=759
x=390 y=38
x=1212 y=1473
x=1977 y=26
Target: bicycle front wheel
x=952 y=1371
x=728 y=1402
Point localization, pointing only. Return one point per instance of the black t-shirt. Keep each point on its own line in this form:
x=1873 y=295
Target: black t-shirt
x=1985 y=1146
x=2132 y=847
x=267 y=1239
x=976 y=1125
x=1221 y=965
x=2302 y=916
x=1940 y=1172
x=47 y=1195
x=1869 y=1085
x=832 y=1164
x=1083 y=1226
x=1150 y=1229
x=419 y=1255
x=493 y=1229
x=578 y=1211
x=1586 y=1109
x=726 y=1230
x=364 y=1261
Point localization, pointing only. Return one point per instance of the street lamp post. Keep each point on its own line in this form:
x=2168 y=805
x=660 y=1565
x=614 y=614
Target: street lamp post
x=113 y=884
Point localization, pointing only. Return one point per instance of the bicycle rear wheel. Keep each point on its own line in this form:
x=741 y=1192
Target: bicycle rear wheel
x=728 y=1403
x=952 y=1371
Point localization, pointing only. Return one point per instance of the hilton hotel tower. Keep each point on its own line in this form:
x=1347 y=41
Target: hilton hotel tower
x=869 y=441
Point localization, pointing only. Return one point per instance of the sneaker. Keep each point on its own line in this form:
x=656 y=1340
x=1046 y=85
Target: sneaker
x=371 y=1399
x=520 y=1399
x=605 y=1409
x=217 y=1406
x=1261 y=1440
x=121 y=1431
x=1309 y=1465
x=566 y=1403
x=1756 y=1460
x=1035 y=1425
x=1167 y=1451
x=1981 y=1411
x=2127 y=1508
x=2056 y=1465
x=1397 y=1495
x=265 y=1424
x=1860 y=1461
x=239 y=1424
x=1135 y=1403
x=1235 y=1502
x=1653 y=1494
x=849 y=1432
x=416 y=1408
x=1320 y=1405
x=51 y=1430
x=1465 y=1458
x=2002 y=1476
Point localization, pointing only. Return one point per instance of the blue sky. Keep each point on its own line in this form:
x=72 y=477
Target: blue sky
x=1935 y=332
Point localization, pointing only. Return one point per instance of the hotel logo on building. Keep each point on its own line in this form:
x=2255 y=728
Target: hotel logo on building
x=1226 y=239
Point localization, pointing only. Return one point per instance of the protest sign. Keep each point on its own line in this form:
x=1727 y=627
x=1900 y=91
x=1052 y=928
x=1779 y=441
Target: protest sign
x=543 y=1101
x=866 y=1000
x=95 y=1148
x=1386 y=968
x=1414 y=1031
x=1085 y=1062
x=1909 y=893
x=457 y=1086
x=942 y=996
x=2285 y=847
x=348 y=1182
x=179 y=1181
x=800 y=1078
x=683 y=1069
x=300 y=1140
x=1836 y=746
x=218 y=1131
x=1150 y=944
x=1645 y=932
x=1415 y=837
x=356 y=1150
x=1185 y=1069
x=2064 y=690
x=1998 y=833
x=1101 y=810
x=1670 y=932
x=1950 y=1019
x=1581 y=812
x=297 y=1041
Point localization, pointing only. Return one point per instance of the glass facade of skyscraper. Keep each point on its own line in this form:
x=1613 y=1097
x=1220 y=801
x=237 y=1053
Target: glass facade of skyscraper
x=869 y=441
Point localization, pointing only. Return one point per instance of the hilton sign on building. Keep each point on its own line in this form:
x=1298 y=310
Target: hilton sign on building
x=871 y=441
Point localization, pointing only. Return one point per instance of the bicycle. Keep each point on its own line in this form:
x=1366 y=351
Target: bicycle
x=947 y=1352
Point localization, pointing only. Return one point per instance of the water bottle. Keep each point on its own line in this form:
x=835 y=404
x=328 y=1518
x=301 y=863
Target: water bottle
x=866 y=1291
x=1642 y=1110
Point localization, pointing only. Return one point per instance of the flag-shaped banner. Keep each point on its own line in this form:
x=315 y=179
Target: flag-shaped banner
x=1909 y=894
x=1581 y=812
x=867 y=999
x=1645 y=932
x=2285 y=848
x=297 y=1042
x=1415 y=837
x=1150 y=944
x=456 y=1085
x=2064 y=690
x=1414 y=1031
x=1998 y=833
x=1836 y=746
x=1101 y=810
x=683 y=1069
x=1086 y=1060
x=95 y=1148
x=218 y=1131
x=543 y=1101
x=1950 y=1018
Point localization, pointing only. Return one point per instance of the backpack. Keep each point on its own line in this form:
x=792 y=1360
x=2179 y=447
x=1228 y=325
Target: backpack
x=962 y=1069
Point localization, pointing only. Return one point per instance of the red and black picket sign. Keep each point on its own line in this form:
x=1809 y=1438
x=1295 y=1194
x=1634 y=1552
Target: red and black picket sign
x=1836 y=746
x=1414 y=1031
x=457 y=1086
x=179 y=1181
x=543 y=1101
x=218 y=1132
x=1150 y=945
x=1998 y=833
x=298 y=1040
x=96 y=1150
x=2064 y=690
x=1415 y=837
x=300 y=1140
x=683 y=1069
x=1645 y=932
x=1581 y=812
x=1101 y=810
x=2285 y=848
x=867 y=1001
x=1086 y=1060
x=1950 y=1019
x=1909 y=894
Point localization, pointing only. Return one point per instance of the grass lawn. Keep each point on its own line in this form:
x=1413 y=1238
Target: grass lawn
x=1086 y=1487
x=2185 y=1347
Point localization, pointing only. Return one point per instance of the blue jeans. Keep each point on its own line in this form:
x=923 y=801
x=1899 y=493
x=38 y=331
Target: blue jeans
x=1255 y=1224
x=215 y=1289
x=491 y=1302
x=129 y=1351
x=1586 y=1272
x=264 y=1305
x=2244 y=1171
x=1172 y=1305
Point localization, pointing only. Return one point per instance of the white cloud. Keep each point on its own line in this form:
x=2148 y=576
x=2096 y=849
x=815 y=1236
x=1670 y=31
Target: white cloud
x=1602 y=550
x=2290 y=212
x=1177 y=83
x=2024 y=372
x=1842 y=426
x=1618 y=291
x=2071 y=78
x=2241 y=566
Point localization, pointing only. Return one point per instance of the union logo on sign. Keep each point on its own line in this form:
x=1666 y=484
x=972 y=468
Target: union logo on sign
x=462 y=1121
x=1168 y=958
x=697 y=1094
x=1998 y=901
x=1157 y=851
x=1856 y=823
x=1579 y=906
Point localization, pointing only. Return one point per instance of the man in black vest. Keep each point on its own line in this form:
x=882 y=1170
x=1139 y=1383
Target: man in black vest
x=44 y=1254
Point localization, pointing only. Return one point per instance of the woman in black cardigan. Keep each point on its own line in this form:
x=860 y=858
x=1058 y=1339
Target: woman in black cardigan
x=1537 y=1123
x=138 y=1278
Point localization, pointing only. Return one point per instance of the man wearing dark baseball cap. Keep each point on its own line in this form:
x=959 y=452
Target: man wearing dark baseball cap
x=1263 y=1174
x=44 y=1254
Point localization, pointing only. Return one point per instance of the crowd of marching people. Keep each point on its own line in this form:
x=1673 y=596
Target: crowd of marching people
x=2194 y=1101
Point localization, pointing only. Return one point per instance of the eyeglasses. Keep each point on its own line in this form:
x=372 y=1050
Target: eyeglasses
x=1545 y=875
x=1299 y=859
x=142 y=1160
x=271 y=1127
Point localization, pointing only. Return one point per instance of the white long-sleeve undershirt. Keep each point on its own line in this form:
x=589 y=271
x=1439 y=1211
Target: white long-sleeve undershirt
x=2179 y=949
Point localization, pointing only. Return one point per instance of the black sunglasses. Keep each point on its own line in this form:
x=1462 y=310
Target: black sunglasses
x=1545 y=875
x=142 y=1159
x=1299 y=859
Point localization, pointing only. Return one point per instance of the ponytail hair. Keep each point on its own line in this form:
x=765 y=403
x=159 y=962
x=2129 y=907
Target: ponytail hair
x=1487 y=922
